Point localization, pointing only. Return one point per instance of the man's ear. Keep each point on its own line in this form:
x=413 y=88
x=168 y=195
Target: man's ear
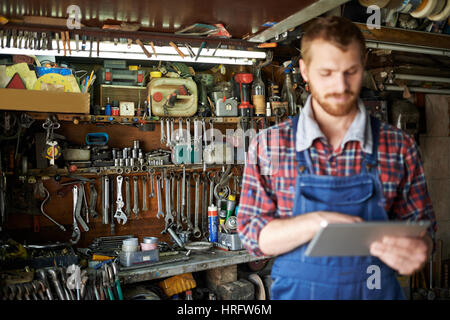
x=304 y=70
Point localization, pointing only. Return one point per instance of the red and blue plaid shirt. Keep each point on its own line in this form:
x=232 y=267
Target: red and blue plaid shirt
x=268 y=186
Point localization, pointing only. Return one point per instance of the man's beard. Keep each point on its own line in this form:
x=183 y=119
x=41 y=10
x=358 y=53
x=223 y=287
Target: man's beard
x=335 y=109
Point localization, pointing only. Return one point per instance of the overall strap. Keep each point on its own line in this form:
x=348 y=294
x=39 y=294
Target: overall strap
x=303 y=158
x=370 y=159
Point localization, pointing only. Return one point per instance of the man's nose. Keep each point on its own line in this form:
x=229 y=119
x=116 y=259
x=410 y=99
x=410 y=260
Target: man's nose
x=341 y=83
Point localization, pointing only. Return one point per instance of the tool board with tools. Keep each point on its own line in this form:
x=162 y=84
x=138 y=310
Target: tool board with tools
x=148 y=178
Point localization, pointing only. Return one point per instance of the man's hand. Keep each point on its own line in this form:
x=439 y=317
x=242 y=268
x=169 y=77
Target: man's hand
x=406 y=255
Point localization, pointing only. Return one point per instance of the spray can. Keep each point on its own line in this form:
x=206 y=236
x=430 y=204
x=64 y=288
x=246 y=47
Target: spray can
x=107 y=108
x=231 y=204
x=212 y=219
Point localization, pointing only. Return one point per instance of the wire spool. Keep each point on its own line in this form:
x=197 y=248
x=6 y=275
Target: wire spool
x=425 y=8
x=443 y=14
x=379 y=3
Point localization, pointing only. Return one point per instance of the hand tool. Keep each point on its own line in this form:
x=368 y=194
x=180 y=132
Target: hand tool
x=49 y=42
x=218 y=46
x=68 y=293
x=197 y=232
x=63 y=39
x=109 y=281
x=1 y=39
x=57 y=41
x=168 y=142
x=205 y=228
x=112 y=211
x=14 y=36
x=8 y=38
x=158 y=195
x=77 y=42
x=188 y=203
x=144 y=193
x=86 y=206
x=93 y=200
x=25 y=290
x=42 y=208
x=202 y=45
x=40 y=273
x=179 y=225
x=20 y=37
x=98 y=47
x=191 y=53
x=37 y=41
x=116 y=278
x=211 y=186
x=173 y=45
x=79 y=192
x=183 y=195
x=172 y=136
x=74 y=280
x=153 y=48
x=120 y=215
x=105 y=200
x=39 y=288
x=91 y=40
x=135 y=196
x=148 y=54
x=169 y=217
x=127 y=197
x=188 y=131
x=68 y=42
x=163 y=137
x=83 y=42
x=152 y=187
x=76 y=233
x=103 y=285
x=57 y=285
x=179 y=137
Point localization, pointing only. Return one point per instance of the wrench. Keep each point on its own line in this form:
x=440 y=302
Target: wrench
x=211 y=186
x=144 y=193
x=120 y=215
x=169 y=216
x=152 y=187
x=172 y=136
x=105 y=199
x=180 y=137
x=93 y=200
x=197 y=232
x=188 y=203
x=86 y=206
x=79 y=200
x=183 y=195
x=188 y=131
x=179 y=225
x=43 y=278
x=111 y=196
x=163 y=137
x=168 y=142
x=158 y=195
x=127 y=197
x=205 y=210
x=58 y=287
x=135 y=196
x=76 y=233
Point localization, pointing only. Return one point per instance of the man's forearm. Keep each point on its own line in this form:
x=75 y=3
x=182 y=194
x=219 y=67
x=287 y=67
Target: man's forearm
x=282 y=235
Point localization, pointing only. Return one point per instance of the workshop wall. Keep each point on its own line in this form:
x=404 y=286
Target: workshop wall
x=435 y=149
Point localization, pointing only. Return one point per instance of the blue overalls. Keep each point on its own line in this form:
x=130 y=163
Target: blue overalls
x=297 y=277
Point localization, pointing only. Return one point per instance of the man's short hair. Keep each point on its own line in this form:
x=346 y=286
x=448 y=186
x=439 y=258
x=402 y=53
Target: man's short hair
x=340 y=31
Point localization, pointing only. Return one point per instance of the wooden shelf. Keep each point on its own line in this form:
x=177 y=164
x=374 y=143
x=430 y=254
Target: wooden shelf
x=131 y=120
x=406 y=37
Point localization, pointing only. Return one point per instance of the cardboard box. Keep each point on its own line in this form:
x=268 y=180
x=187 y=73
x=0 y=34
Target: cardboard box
x=44 y=101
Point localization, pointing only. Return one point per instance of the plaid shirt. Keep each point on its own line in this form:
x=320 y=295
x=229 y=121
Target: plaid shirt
x=268 y=186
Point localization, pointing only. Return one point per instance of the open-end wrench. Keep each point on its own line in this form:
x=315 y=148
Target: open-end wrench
x=197 y=232
x=172 y=196
x=172 y=135
x=80 y=220
x=135 y=196
x=163 y=137
x=180 y=137
x=127 y=197
x=152 y=186
x=105 y=199
x=144 y=193
x=120 y=215
x=86 y=205
x=43 y=278
x=56 y=283
x=183 y=195
x=169 y=217
x=76 y=233
x=112 y=227
x=179 y=225
x=188 y=131
x=93 y=200
x=158 y=195
x=211 y=186
x=205 y=229
x=190 y=227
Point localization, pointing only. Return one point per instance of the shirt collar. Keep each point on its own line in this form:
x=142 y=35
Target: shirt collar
x=308 y=130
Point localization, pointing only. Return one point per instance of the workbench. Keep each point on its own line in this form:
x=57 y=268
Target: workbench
x=196 y=262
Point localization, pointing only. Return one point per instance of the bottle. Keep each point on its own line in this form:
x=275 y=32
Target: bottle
x=107 y=108
x=288 y=94
x=188 y=295
x=258 y=94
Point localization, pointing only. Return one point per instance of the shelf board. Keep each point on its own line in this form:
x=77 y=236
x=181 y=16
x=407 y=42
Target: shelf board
x=406 y=37
x=129 y=119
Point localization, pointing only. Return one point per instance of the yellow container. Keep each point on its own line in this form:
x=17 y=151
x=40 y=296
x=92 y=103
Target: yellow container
x=177 y=284
x=155 y=74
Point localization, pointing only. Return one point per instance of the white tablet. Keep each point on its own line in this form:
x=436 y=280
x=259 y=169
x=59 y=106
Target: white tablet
x=354 y=239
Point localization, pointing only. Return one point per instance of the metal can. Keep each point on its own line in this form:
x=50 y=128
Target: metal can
x=115 y=111
x=212 y=220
